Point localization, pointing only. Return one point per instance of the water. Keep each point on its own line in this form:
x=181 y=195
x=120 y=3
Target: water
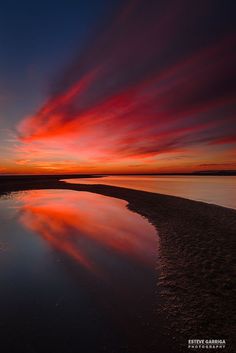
x=77 y=274
x=218 y=190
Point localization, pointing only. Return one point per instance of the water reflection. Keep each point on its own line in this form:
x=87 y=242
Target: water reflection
x=76 y=223
x=78 y=271
x=220 y=190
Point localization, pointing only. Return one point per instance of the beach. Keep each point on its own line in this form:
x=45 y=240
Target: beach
x=195 y=265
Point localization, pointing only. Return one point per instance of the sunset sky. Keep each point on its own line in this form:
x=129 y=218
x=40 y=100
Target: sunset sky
x=103 y=86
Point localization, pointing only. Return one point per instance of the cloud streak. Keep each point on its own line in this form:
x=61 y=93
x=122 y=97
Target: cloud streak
x=153 y=81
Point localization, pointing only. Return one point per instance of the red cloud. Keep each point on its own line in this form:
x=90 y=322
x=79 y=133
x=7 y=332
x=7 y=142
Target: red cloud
x=131 y=95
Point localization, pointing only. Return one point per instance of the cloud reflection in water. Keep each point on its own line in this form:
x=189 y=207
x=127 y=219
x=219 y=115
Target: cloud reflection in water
x=86 y=226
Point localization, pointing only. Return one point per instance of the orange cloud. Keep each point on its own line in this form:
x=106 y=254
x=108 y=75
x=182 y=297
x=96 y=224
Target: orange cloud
x=136 y=95
x=22 y=161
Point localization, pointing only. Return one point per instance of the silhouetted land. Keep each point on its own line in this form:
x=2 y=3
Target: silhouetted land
x=26 y=178
x=196 y=260
x=4 y=177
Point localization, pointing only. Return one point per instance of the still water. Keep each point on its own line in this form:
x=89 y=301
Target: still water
x=219 y=190
x=77 y=274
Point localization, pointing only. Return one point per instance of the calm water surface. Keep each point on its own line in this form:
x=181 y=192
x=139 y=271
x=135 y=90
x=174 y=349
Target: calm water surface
x=211 y=189
x=77 y=274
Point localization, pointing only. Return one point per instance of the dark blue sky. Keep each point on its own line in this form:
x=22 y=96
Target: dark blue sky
x=37 y=39
x=132 y=85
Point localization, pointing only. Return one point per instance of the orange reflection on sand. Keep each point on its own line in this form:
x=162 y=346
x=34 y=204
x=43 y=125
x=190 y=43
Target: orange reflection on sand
x=81 y=224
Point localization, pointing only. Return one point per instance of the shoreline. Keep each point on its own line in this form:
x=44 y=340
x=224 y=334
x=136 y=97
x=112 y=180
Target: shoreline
x=195 y=264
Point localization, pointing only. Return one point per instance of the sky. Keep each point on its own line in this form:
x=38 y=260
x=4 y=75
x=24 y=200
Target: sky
x=103 y=86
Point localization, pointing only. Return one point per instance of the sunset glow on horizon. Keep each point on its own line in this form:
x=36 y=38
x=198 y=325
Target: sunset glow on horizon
x=152 y=91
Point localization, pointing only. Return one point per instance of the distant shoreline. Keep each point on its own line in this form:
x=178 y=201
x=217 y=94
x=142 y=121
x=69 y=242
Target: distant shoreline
x=195 y=265
x=72 y=176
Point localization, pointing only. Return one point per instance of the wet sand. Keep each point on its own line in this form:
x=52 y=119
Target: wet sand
x=196 y=258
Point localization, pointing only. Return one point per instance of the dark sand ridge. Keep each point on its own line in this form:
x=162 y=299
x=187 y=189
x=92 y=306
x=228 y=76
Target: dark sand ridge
x=196 y=257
